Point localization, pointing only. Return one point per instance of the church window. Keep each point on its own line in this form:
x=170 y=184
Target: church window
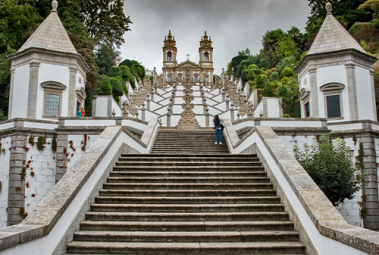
x=52 y=98
x=206 y=56
x=169 y=79
x=52 y=105
x=180 y=78
x=169 y=56
x=307 y=110
x=196 y=78
x=206 y=79
x=333 y=100
x=333 y=106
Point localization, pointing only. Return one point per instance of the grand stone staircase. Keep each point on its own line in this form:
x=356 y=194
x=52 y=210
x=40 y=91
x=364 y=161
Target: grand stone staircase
x=176 y=201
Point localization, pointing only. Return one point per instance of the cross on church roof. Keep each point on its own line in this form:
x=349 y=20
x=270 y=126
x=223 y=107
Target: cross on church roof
x=188 y=56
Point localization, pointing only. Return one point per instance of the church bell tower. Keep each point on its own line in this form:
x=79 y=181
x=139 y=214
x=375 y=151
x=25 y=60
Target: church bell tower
x=169 y=57
x=206 y=57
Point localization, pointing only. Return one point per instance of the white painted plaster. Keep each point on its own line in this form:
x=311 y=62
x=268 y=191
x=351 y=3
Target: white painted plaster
x=49 y=72
x=116 y=108
x=20 y=92
x=101 y=106
x=75 y=152
x=332 y=74
x=92 y=123
x=39 y=125
x=366 y=106
x=4 y=179
x=6 y=126
x=341 y=127
x=40 y=174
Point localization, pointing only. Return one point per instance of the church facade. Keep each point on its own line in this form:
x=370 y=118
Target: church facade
x=199 y=72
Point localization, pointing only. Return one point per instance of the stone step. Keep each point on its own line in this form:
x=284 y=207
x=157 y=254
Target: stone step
x=187 y=208
x=189 y=163
x=203 y=216
x=189 y=168
x=188 y=180
x=199 y=151
x=122 y=172
x=186 y=248
x=186 y=193
x=193 y=226
x=187 y=200
x=216 y=236
x=184 y=159
x=230 y=156
x=186 y=186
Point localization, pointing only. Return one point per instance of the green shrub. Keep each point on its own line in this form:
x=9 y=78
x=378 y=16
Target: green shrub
x=331 y=166
x=286 y=115
x=259 y=81
x=274 y=76
x=285 y=80
x=152 y=80
x=115 y=72
x=40 y=143
x=54 y=145
x=237 y=60
x=268 y=91
x=287 y=72
x=105 y=86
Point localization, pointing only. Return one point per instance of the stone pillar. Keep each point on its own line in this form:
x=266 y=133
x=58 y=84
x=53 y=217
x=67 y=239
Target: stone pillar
x=17 y=176
x=72 y=93
x=314 y=93
x=11 y=94
x=373 y=94
x=370 y=183
x=352 y=91
x=148 y=103
x=227 y=104
x=232 y=114
x=143 y=112
x=33 y=90
x=61 y=160
x=169 y=119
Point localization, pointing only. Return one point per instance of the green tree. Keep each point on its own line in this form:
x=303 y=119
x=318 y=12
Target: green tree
x=105 y=86
x=106 y=57
x=331 y=166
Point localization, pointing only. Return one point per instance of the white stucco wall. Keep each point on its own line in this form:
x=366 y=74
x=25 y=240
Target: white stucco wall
x=273 y=108
x=116 y=108
x=4 y=179
x=77 y=144
x=332 y=74
x=20 y=92
x=101 y=106
x=48 y=72
x=40 y=173
x=80 y=82
x=366 y=105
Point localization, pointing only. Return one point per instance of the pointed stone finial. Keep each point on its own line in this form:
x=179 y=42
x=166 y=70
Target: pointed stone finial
x=329 y=8
x=205 y=33
x=169 y=32
x=54 y=6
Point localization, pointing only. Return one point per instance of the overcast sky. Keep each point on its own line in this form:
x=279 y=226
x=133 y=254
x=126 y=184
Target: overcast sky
x=233 y=25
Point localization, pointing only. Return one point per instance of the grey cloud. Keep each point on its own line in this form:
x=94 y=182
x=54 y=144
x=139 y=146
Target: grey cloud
x=233 y=26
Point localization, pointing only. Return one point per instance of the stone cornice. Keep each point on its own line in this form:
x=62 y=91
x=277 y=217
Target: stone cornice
x=32 y=50
x=370 y=60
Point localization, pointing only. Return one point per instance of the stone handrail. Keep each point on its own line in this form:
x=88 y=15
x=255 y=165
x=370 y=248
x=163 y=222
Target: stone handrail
x=322 y=228
x=150 y=133
x=51 y=224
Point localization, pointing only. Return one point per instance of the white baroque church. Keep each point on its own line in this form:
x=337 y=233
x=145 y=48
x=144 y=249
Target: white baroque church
x=54 y=164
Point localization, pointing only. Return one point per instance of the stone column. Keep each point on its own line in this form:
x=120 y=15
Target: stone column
x=61 y=160
x=143 y=112
x=33 y=90
x=370 y=183
x=373 y=94
x=232 y=113
x=352 y=91
x=11 y=94
x=227 y=104
x=17 y=176
x=314 y=93
x=72 y=93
